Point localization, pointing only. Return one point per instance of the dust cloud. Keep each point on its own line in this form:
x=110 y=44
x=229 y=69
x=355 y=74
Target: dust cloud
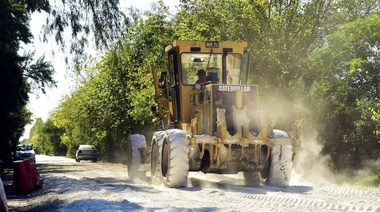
x=310 y=166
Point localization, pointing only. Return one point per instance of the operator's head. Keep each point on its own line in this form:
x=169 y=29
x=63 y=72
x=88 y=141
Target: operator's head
x=201 y=73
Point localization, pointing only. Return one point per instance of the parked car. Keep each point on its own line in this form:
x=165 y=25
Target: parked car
x=25 y=151
x=86 y=152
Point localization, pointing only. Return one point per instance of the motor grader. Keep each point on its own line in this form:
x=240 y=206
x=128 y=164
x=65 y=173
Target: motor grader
x=212 y=127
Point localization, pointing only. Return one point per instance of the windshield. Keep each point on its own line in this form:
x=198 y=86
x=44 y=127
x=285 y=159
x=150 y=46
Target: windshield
x=212 y=64
x=24 y=147
x=86 y=147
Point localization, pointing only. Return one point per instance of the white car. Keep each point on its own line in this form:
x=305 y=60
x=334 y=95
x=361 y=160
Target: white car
x=25 y=151
x=86 y=152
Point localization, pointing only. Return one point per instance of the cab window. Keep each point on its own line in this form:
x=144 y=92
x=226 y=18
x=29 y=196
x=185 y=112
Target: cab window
x=212 y=64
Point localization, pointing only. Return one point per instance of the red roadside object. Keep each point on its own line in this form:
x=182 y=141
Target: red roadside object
x=36 y=179
x=21 y=180
x=26 y=178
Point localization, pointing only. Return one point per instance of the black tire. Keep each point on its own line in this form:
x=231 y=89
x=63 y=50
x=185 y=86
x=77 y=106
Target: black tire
x=175 y=162
x=94 y=161
x=77 y=160
x=265 y=162
x=134 y=142
x=252 y=178
x=280 y=168
x=156 y=156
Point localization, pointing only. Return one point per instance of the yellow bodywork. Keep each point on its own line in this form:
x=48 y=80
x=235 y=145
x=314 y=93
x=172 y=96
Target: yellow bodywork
x=204 y=122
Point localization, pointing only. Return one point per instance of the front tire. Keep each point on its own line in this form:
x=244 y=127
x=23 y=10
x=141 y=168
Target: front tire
x=175 y=162
x=134 y=142
x=156 y=156
x=281 y=162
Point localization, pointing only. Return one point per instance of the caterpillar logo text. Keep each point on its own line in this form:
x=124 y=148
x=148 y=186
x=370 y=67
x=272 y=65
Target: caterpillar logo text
x=234 y=88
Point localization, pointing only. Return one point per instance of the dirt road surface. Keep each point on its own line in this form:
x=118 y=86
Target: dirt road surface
x=88 y=186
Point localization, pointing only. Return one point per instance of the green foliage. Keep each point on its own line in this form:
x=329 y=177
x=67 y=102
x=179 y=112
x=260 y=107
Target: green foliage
x=19 y=74
x=335 y=93
x=280 y=34
x=376 y=118
x=39 y=72
x=13 y=87
x=348 y=90
x=35 y=132
x=115 y=98
x=46 y=138
x=100 y=21
x=51 y=139
x=371 y=182
x=318 y=60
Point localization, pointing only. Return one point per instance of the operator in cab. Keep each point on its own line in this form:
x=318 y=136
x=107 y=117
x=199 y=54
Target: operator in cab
x=201 y=77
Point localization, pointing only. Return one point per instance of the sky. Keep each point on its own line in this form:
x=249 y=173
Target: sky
x=41 y=105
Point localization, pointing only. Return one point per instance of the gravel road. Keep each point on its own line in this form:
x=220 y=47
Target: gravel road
x=87 y=186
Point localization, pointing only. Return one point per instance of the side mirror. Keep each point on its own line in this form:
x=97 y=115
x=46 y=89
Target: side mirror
x=162 y=80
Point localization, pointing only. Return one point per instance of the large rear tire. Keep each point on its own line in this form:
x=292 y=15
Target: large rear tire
x=134 y=142
x=156 y=156
x=175 y=162
x=281 y=163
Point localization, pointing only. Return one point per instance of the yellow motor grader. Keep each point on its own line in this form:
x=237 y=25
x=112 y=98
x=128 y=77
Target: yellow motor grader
x=213 y=126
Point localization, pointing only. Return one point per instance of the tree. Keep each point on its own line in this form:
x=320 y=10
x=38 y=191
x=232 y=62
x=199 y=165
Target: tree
x=51 y=137
x=116 y=95
x=280 y=33
x=14 y=87
x=35 y=132
x=46 y=138
x=348 y=91
x=376 y=117
x=101 y=20
x=20 y=73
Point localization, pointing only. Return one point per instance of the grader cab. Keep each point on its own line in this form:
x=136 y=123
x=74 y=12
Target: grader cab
x=213 y=126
